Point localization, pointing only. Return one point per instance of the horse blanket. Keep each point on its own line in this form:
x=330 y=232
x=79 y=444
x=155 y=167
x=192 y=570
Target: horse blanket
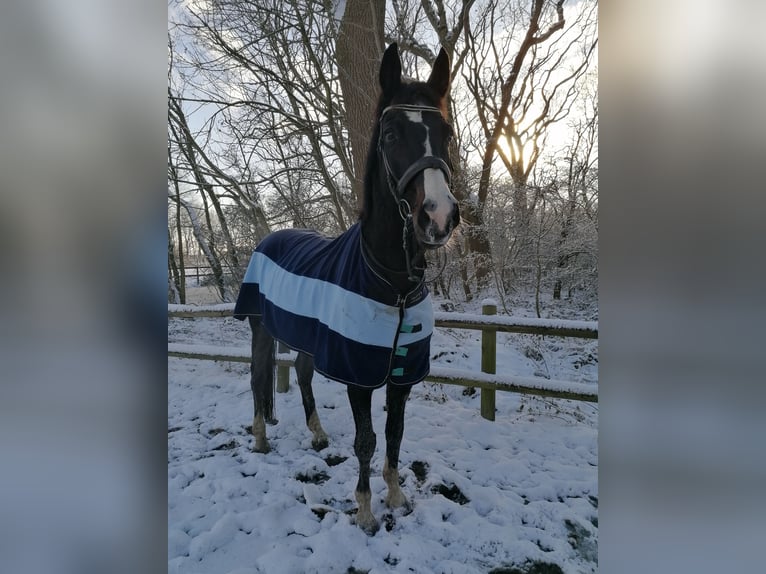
x=321 y=296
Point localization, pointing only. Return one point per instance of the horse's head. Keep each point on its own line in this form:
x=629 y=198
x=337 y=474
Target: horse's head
x=413 y=141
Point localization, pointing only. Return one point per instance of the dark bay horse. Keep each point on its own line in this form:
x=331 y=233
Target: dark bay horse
x=356 y=307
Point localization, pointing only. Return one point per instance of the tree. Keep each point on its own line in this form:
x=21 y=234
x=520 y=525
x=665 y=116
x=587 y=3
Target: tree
x=265 y=77
x=181 y=134
x=518 y=98
x=581 y=182
x=358 y=50
x=271 y=105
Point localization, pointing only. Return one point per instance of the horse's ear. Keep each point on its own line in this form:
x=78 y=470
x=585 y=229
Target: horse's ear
x=440 y=73
x=390 y=71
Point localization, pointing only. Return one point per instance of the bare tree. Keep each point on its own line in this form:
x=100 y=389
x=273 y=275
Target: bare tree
x=518 y=98
x=581 y=183
x=181 y=134
x=271 y=106
x=265 y=77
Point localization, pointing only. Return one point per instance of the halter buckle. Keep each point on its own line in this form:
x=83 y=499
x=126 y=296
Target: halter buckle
x=405 y=211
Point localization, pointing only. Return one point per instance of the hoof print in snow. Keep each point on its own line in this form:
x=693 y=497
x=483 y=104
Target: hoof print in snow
x=214 y=432
x=529 y=568
x=320 y=512
x=452 y=493
x=335 y=460
x=389 y=521
x=232 y=444
x=391 y=560
x=420 y=469
x=312 y=477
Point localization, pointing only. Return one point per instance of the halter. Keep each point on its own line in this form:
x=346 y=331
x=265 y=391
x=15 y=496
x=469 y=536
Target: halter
x=398 y=186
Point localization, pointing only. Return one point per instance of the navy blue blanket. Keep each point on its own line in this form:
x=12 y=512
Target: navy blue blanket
x=320 y=296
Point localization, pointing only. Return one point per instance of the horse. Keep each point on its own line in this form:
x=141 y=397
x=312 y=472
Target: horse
x=356 y=307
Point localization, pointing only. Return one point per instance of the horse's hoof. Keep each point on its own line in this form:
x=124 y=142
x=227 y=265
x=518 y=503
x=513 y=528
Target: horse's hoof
x=368 y=524
x=262 y=448
x=320 y=444
x=397 y=499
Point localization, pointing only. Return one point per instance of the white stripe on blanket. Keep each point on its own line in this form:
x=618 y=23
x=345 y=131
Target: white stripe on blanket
x=349 y=314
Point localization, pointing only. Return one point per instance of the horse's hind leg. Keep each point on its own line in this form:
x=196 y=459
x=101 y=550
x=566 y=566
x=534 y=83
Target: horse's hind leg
x=304 y=369
x=364 y=447
x=396 y=399
x=261 y=383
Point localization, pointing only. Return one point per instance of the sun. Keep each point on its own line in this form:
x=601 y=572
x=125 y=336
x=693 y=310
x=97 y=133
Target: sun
x=554 y=139
x=511 y=152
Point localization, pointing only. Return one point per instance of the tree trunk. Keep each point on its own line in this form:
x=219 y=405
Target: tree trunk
x=358 y=51
x=175 y=280
x=207 y=249
x=478 y=244
x=563 y=258
x=181 y=285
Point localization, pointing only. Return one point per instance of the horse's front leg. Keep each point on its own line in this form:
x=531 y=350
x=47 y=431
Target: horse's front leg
x=396 y=399
x=364 y=447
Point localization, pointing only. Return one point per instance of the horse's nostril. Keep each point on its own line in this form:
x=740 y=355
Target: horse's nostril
x=429 y=205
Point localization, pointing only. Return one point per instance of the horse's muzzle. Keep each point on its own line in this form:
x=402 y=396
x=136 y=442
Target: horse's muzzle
x=432 y=235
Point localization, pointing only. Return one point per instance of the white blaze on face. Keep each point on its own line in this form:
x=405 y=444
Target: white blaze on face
x=438 y=198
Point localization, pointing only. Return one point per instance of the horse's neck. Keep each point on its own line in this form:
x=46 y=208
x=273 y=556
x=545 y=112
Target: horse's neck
x=382 y=231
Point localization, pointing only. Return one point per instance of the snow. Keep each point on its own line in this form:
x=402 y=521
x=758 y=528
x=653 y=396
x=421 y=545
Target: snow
x=484 y=494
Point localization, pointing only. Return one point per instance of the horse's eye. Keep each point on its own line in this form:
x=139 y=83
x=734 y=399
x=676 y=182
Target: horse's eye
x=389 y=136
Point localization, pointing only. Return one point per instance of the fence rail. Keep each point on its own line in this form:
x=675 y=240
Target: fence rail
x=486 y=380
x=524 y=325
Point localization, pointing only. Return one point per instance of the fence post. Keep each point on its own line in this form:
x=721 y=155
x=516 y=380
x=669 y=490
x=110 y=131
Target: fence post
x=488 y=359
x=283 y=371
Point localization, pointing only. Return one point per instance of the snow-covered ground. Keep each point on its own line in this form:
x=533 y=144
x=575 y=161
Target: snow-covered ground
x=516 y=495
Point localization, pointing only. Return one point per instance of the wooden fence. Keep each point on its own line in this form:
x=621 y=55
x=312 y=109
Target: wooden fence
x=487 y=380
x=201 y=273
